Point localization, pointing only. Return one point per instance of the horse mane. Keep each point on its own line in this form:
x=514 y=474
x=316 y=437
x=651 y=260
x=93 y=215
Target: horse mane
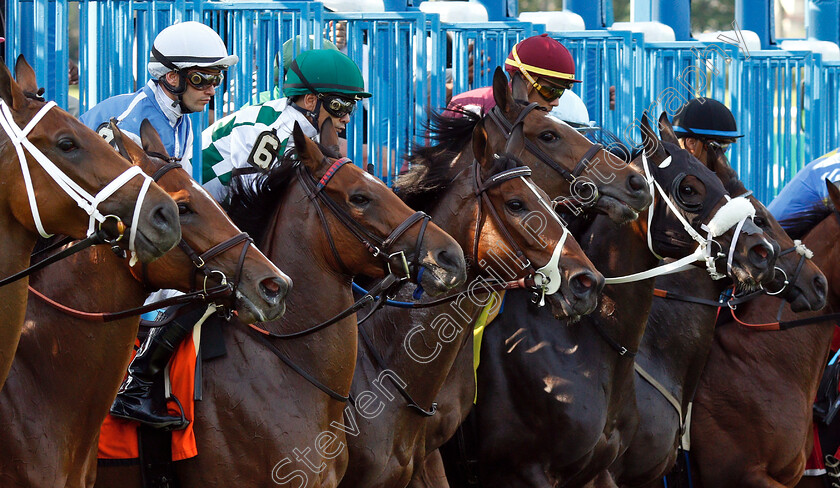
x=431 y=167
x=252 y=204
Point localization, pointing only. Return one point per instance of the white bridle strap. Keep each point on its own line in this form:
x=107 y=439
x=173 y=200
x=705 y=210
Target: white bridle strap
x=551 y=270
x=83 y=199
x=735 y=212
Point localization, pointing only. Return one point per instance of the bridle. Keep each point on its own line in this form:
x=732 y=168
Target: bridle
x=740 y=207
x=394 y=263
x=85 y=201
x=495 y=114
x=547 y=279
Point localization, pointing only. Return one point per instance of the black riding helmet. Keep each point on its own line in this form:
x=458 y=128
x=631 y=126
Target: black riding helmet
x=705 y=118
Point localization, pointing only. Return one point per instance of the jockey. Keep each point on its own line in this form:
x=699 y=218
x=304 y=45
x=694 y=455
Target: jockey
x=571 y=110
x=186 y=65
x=320 y=84
x=705 y=126
x=542 y=64
x=803 y=202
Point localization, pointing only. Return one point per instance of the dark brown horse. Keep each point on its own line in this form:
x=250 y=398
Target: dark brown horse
x=752 y=417
x=420 y=345
x=564 y=163
x=40 y=146
x=677 y=339
x=555 y=399
x=67 y=369
x=260 y=422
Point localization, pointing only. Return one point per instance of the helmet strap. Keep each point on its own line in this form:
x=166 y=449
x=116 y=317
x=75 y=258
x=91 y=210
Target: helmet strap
x=311 y=115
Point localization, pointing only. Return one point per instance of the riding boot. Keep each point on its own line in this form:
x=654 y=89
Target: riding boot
x=134 y=399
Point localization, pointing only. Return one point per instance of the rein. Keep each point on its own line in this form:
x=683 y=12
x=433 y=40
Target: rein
x=87 y=202
x=375 y=245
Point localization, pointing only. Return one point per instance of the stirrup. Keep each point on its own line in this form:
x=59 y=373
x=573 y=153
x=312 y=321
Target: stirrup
x=184 y=423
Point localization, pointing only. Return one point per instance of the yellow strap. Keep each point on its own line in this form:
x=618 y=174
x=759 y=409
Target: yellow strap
x=525 y=68
x=488 y=313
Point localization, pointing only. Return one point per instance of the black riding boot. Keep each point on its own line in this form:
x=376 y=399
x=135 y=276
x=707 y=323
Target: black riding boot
x=134 y=400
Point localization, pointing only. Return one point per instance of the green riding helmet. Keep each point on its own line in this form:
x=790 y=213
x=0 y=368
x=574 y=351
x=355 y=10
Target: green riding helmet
x=324 y=71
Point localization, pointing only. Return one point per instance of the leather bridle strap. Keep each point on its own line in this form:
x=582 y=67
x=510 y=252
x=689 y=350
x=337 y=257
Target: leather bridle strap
x=496 y=116
x=481 y=189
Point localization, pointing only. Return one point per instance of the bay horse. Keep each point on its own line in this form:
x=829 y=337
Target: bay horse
x=261 y=422
x=679 y=334
x=68 y=367
x=420 y=345
x=752 y=417
x=579 y=175
x=61 y=177
x=555 y=399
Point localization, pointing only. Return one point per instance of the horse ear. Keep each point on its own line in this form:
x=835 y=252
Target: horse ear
x=501 y=90
x=516 y=143
x=666 y=131
x=307 y=151
x=119 y=138
x=519 y=88
x=128 y=148
x=649 y=139
x=329 y=136
x=151 y=139
x=833 y=193
x=479 y=145
x=25 y=75
x=10 y=91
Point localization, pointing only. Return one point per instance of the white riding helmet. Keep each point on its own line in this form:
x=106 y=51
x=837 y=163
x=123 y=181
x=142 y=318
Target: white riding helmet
x=572 y=110
x=186 y=45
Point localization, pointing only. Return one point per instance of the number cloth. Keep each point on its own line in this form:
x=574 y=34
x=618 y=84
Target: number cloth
x=234 y=142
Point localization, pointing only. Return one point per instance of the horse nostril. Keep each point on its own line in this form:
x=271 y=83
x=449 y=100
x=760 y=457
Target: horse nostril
x=636 y=182
x=448 y=260
x=164 y=217
x=820 y=285
x=759 y=254
x=584 y=284
x=272 y=290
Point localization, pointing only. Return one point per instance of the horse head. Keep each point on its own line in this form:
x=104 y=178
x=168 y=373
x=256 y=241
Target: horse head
x=521 y=228
x=590 y=176
x=224 y=253
x=376 y=233
x=69 y=180
x=797 y=279
x=692 y=207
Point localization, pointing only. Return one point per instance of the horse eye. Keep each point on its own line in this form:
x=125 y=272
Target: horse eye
x=184 y=208
x=359 y=199
x=687 y=191
x=515 y=206
x=66 y=144
x=760 y=221
x=548 y=136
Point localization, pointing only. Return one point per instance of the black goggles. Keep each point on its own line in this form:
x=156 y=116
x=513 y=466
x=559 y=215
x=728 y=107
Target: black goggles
x=338 y=106
x=200 y=80
x=721 y=146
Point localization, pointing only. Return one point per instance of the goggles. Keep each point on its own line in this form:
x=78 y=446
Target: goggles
x=338 y=106
x=722 y=146
x=200 y=80
x=550 y=93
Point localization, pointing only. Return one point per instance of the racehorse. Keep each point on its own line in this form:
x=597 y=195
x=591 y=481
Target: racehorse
x=579 y=175
x=324 y=222
x=752 y=417
x=420 y=345
x=61 y=177
x=555 y=399
x=678 y=337
x=68 y=367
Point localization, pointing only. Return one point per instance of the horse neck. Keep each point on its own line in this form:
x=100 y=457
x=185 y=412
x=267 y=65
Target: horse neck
x=295 y=245
x=455 y=213
x=15 y=249
x=60 y=353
